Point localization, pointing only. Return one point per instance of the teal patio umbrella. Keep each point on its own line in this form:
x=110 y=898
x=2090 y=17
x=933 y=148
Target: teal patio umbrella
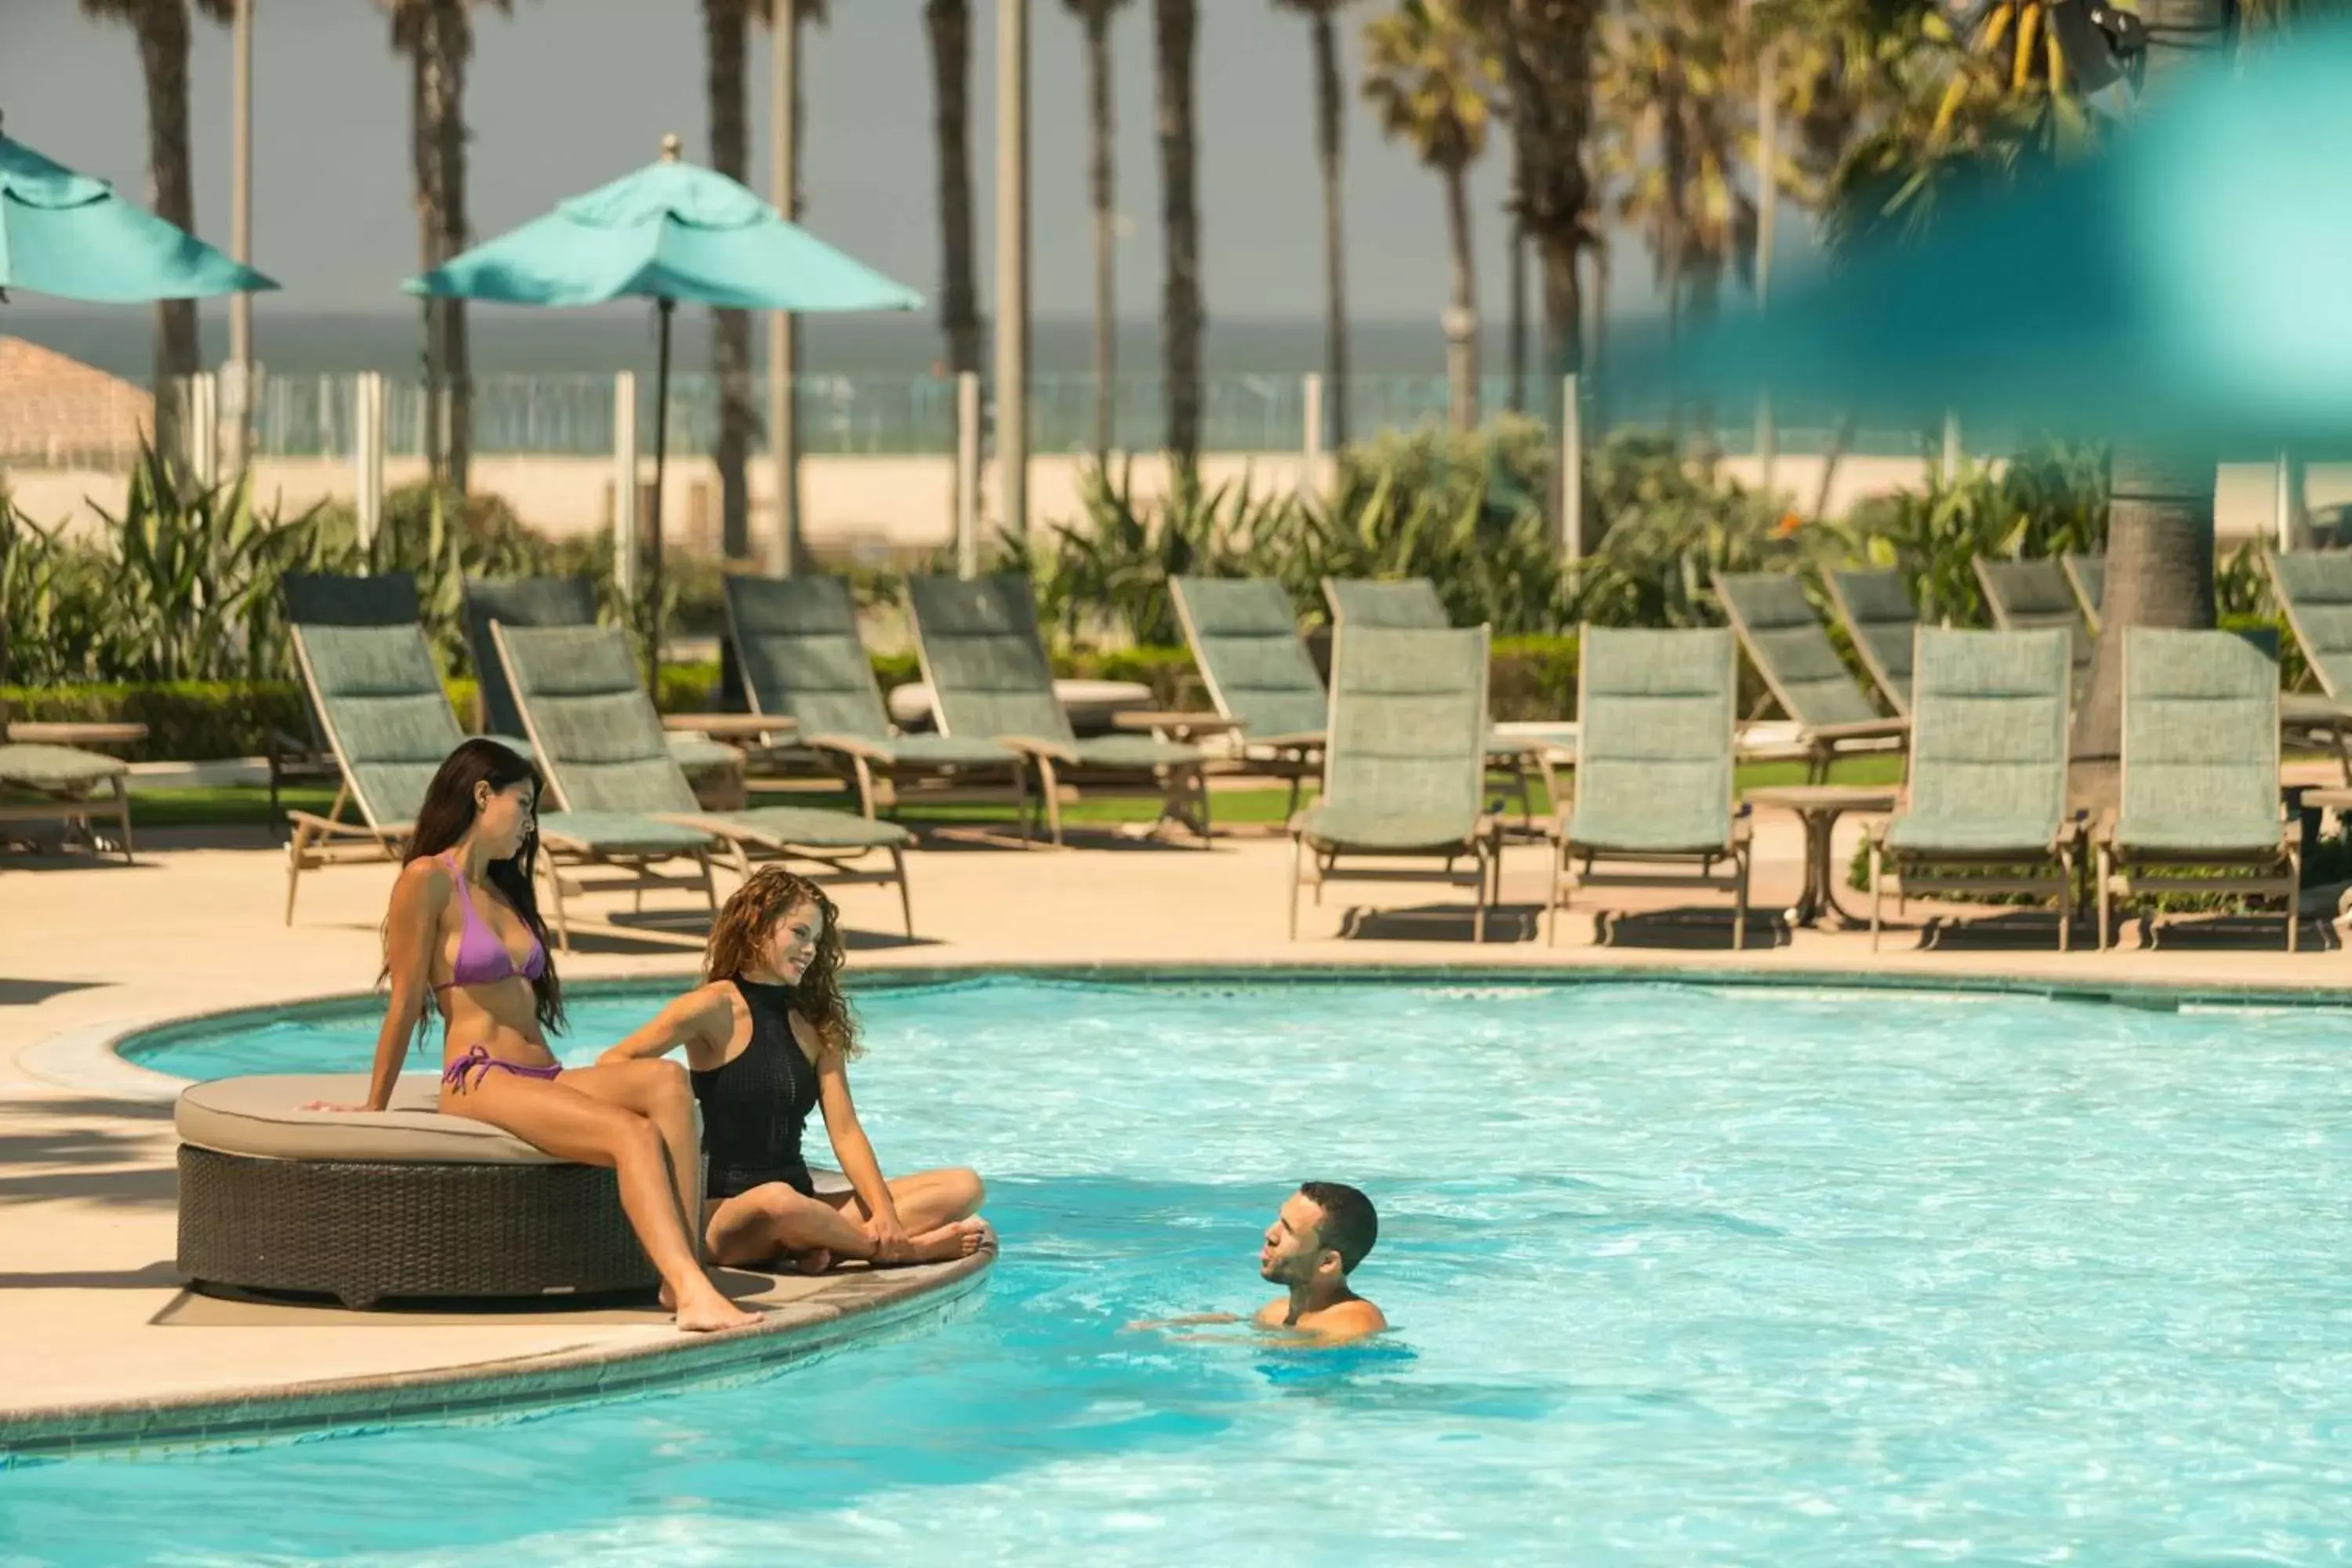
x=69 y=235
x=2192 y=283
x=672 y=231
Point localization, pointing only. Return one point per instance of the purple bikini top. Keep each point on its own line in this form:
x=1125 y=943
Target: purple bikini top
x=482 y=958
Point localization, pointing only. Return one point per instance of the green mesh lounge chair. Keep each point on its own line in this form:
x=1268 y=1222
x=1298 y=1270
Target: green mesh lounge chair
x=324 y=599
x=990 y=680
x=797 y=638
x=2315 y=588
x=1881 y=619
x=2033 y=596
x=1244 y=639
x=549 y=602
x=389 y=727
x=1655 y=743
x=2200 y=771
x=1986 y=811
x=1410 y=603
x=1404 y=770
x=2087 y=575
x=54 y=784
x=1784 y=639
x=601 y=746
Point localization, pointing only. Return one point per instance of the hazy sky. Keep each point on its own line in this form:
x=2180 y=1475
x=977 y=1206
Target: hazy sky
x=569 y=93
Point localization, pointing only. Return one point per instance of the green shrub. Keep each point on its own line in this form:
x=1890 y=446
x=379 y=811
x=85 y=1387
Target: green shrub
x=193 y=721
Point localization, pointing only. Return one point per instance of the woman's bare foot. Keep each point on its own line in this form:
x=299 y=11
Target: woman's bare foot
x=959 y=1238
x=707 y=1309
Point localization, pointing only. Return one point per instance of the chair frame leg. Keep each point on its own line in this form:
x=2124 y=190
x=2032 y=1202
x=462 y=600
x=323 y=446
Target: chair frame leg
x=1297 y=876
x=2103 y=912
x=296 y=847
x=1049 y=786
x=1739 y=900
x=1877 y=890
x=905 y=894
x=555 y=902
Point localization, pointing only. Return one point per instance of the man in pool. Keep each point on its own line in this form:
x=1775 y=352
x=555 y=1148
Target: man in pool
x=1322 y=1231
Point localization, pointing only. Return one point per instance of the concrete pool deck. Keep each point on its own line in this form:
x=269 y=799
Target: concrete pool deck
x=89 y=949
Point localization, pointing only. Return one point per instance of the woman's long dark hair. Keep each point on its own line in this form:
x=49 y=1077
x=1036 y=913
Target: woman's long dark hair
x=447 y=815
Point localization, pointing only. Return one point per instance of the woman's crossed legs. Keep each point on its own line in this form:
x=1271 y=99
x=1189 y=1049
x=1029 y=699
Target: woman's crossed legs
x=752 y=1229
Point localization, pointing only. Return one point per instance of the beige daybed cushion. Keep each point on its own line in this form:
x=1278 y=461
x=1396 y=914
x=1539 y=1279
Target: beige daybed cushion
x=262 y=1116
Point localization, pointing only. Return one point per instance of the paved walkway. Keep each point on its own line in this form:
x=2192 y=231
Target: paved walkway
x=88 y=949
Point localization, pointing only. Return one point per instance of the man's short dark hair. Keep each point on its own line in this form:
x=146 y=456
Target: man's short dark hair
x=1348 y=1227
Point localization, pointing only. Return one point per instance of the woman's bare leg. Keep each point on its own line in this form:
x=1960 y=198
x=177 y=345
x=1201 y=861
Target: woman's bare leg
x=571 y=1125
x=661 y=1093
x=750 y=1229
x=924 y=1201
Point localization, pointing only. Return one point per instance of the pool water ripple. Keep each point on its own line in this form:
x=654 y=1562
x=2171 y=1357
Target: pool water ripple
x=1679 y=1274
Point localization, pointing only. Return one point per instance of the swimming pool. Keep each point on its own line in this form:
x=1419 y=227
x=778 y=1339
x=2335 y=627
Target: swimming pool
x=1679 y=1273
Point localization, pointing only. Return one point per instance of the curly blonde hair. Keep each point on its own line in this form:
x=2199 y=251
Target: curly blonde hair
x=741 y=932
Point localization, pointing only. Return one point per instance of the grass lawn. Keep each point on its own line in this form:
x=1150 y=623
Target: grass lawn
x=248 y=805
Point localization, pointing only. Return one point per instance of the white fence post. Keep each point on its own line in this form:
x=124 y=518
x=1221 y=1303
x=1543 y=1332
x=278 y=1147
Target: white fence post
x=1311 y=432
x=367 y=453
x=2289 y=519
x=625 y=485
x=1955 y=455
x=204 y=428
x=1571 y=471
x=967 y=474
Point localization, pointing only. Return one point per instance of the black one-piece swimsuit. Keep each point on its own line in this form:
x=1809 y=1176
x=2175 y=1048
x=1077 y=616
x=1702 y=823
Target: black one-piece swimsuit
x=755 y=1108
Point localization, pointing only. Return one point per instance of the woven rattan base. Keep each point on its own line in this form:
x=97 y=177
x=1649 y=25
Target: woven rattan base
x=365 y=1231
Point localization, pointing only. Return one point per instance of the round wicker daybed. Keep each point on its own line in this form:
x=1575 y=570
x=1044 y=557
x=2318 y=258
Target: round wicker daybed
x=405 y=1201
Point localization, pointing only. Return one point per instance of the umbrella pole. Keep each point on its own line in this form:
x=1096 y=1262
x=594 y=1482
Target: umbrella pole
x=665 y=310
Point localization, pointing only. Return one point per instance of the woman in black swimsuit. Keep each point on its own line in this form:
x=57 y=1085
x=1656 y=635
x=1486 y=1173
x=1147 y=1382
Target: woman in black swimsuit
x=767 y=1040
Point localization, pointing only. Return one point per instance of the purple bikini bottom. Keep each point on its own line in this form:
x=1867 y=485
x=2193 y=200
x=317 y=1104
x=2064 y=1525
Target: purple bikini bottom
x=478 y=1062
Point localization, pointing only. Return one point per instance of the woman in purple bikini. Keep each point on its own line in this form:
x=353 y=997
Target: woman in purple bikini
x=464 y=928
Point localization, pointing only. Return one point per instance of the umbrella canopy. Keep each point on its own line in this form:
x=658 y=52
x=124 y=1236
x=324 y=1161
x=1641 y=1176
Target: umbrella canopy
x=669 y=231
x=69 y=235
x=2192 y=283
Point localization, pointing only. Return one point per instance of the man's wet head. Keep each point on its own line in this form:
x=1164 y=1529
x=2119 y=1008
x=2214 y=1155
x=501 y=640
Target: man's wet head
x=1323 y=1231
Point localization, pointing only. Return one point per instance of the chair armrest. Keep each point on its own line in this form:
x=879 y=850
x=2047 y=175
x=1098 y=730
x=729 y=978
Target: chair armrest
x=1866 y=730
x=1037 y=746
x=847 y=745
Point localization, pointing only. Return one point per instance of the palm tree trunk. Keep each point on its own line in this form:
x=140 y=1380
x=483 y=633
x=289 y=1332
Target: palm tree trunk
x=1329 y=120
x=455 y=41
x=1099 y=167
x=2161 y=504
x=726 y=35
x=1462 y=327
x=948 y=24
x=423 y=96
x=163 y=33
x=1176 y=35
x=1518 y=317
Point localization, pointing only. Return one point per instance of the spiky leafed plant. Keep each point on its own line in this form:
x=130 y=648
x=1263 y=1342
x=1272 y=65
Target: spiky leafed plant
x=1096 y=16
x=1434 y=78
x=162 y=28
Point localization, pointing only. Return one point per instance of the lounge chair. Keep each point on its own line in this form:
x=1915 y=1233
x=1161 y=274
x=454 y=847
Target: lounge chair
x=1410 y=603
x=2313 y=587
x=2087 y=575
x=1784 y=639
x=2200 y=769
x=1881 y=619
x=325 y=599
x=54 y=784
x=1655 y=713
x=550 y=602
x=796 y=639
x=1986 y=806
x=599 y=744
x=2033 y=596
x=990 y=679
x=1244 y=640
x=1404 y=770
x=389 y=727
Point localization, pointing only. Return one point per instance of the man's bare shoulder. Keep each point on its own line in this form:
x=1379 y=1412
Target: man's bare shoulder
x=1348 y=1319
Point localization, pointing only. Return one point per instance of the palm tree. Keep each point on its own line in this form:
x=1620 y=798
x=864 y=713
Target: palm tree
x=1176 y=29
x=1095 y=16
x=161 y=29
x=437 y=37
x=726 y=33
x=1329 y=117
x=1434 y=78
x=949 y=25
x=1545 y=49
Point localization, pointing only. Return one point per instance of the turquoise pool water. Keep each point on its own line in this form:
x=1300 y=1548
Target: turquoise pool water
x=1679 y=1275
